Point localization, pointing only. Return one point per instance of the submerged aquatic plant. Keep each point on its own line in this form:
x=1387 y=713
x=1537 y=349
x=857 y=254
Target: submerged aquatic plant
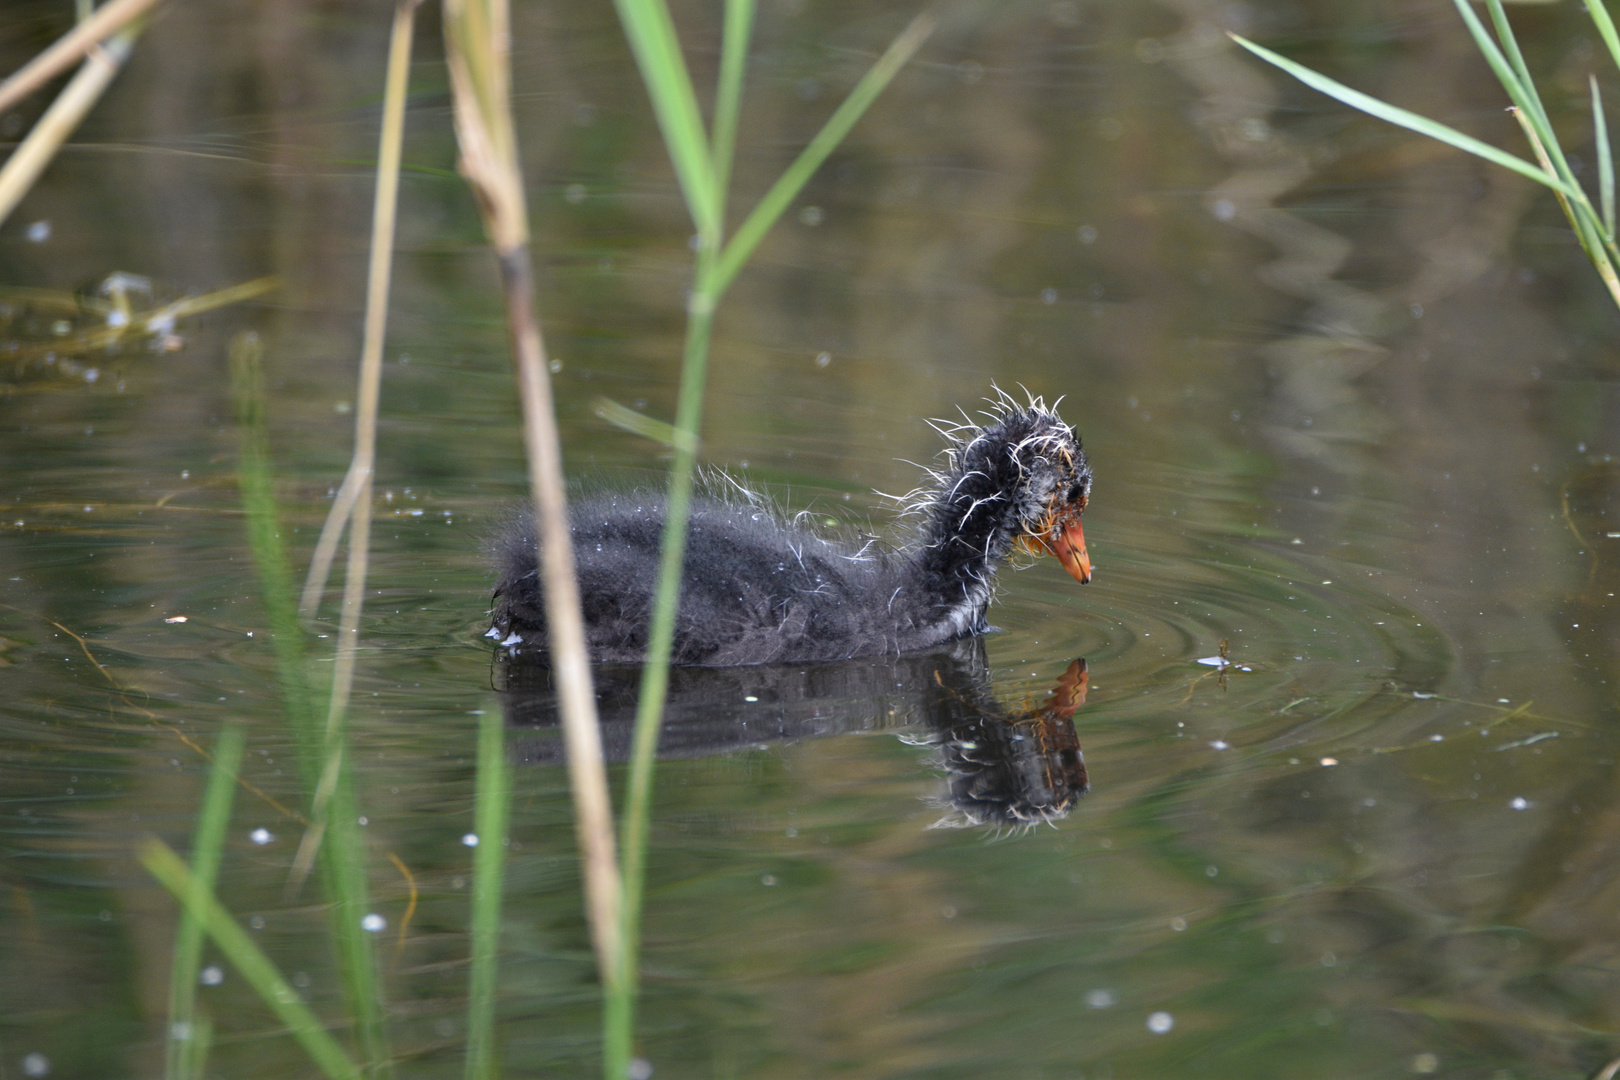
x=1594 y=226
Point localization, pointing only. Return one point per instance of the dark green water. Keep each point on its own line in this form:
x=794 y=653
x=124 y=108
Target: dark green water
x=1351 y=401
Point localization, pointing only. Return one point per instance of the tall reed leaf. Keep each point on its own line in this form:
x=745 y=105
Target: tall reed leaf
x=1595 y=233
x=246 y=957
x=651 y=32
x=1406 y=119
x=322 y=764
x=188 y=1035
x=490 y=808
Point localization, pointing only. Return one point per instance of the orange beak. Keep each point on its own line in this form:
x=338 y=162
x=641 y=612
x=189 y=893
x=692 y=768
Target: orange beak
x=1068 y=543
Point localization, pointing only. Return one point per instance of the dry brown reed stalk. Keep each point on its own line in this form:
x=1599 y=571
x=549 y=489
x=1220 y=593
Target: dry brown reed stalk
x=477 y=48
x=107 y=20
x=353 y=504
x=357 y=482
x=62 y=118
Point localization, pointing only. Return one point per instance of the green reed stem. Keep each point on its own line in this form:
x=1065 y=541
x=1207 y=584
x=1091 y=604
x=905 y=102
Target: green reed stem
x=619 y=1009
x=734 y=38
x=322 y=765
x=182 y=1058
x=491 y=802
x=202 y=1041
x=782 y=193
x=1605 y=157
x=246 y=957
x=348 y=891
x=276 y=587
x=651 y=33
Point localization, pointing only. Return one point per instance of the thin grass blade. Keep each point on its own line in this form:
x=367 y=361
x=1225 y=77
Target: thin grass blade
x=1605 y=157
x=1520 y=89
x=348 y=891
x=728 y=96
x=1515 y=58
x=792 y=181
x=1409 y=120
x=1605 y=25
x=202 y=1041
x=320 y=758
x=651 y=32
x=1588 y=230
x=162 y=863
x=269 y=551
x=493 y=797
x=208 y=841
x=640 y=424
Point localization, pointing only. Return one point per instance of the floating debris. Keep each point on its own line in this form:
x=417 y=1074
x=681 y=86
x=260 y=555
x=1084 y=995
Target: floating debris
x=1527 y=741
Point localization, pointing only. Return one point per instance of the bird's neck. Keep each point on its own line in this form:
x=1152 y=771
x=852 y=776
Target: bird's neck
x=962 y=540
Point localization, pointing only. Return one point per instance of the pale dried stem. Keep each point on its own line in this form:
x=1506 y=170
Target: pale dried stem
x=478 y=61
x=107 y=21
x=61 y=119
x=354 y=502
x=1599 y=256
x=357 y=483
x=593 y=812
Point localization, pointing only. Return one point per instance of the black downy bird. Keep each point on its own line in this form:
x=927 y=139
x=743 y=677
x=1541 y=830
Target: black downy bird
x=759 y=589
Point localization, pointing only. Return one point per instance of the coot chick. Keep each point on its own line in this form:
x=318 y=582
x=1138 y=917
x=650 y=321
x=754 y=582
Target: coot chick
x=759 y=589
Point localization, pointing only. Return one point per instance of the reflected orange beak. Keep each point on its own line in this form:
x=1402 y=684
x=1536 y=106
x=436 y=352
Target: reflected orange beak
x=1068 y=543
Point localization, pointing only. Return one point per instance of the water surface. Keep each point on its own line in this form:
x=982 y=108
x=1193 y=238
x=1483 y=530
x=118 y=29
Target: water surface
x=1351 y=404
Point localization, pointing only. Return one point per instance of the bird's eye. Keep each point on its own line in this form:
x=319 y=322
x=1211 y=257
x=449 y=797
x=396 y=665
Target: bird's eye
x=1077 y=493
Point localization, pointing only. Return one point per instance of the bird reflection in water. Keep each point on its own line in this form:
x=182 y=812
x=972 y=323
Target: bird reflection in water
x=1004 y=768
x=1012 y=770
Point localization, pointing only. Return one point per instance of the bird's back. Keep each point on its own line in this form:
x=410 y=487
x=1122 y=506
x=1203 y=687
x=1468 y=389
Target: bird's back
x=755 y=589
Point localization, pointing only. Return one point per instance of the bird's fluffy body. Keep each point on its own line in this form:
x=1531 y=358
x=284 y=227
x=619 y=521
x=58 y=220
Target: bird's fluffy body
x=757 y=588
